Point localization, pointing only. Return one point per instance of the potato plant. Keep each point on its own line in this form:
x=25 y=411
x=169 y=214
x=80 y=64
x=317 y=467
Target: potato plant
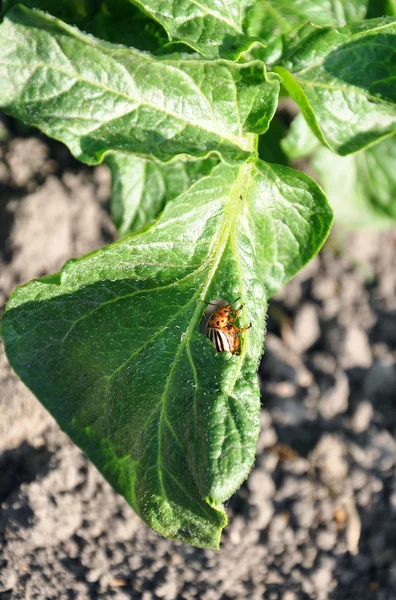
x=177 y=98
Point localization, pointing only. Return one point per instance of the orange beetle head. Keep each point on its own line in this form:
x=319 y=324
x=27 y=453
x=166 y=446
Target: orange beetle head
x=220 y=318
x=228 y=310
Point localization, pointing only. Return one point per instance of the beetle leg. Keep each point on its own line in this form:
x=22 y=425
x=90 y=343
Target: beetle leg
x=244 y=329
x=236 y=345
x=236 y=313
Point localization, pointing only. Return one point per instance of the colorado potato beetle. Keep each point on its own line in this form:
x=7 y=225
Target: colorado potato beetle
x=220 y=328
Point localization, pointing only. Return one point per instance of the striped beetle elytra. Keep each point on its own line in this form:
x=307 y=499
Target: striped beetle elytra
x=222 y=332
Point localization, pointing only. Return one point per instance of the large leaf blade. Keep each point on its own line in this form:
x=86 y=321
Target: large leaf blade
x=96 y=97
x=344 y=82
x=112 y=345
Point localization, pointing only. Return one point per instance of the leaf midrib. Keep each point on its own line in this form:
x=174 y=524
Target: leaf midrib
x=231 y=213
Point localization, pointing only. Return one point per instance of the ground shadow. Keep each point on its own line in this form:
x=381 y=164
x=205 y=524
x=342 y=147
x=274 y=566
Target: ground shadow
x=22 y=465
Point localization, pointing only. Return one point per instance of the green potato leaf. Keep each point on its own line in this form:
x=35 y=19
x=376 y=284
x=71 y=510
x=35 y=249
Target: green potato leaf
x=270 y=20
x=211 y=27
x=361 y=187
x=112 y=347
x=96 y=97
x=344 y=81
x=140 y=188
